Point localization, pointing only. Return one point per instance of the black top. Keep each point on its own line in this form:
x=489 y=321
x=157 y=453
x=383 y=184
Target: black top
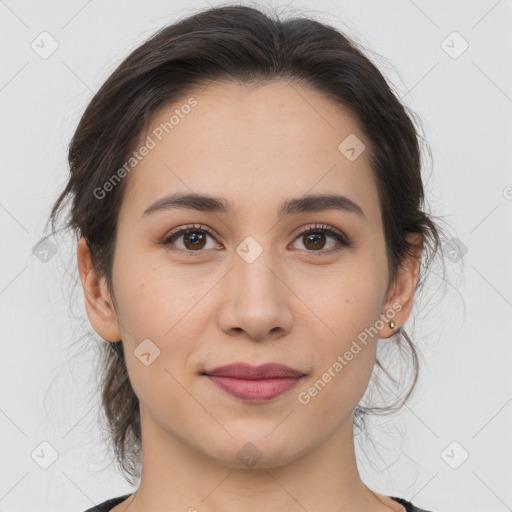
x=108 y=505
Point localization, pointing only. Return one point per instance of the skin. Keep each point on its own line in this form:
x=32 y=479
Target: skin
x=215 y=308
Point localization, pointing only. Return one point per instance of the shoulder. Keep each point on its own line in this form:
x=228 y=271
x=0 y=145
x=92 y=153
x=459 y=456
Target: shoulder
x=409 y=507
x=108 y=505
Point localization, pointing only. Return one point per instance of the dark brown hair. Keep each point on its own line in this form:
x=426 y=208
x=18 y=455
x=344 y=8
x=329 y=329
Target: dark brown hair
x=244 y=45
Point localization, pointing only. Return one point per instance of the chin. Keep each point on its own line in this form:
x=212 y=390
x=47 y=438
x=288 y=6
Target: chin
x=258 y=453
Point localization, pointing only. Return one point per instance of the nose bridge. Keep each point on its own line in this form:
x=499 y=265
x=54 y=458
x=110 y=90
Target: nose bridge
x=256 y=302
x=254 y=270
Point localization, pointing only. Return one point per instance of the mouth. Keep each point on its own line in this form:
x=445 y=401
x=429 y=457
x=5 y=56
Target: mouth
x=255 y=384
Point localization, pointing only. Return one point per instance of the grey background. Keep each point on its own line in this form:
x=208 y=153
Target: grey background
x=464 y=396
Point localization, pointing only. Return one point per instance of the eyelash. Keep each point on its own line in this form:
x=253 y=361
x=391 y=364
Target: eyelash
x=343 y=241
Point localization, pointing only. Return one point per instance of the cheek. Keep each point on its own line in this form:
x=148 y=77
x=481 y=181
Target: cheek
x=348 y=307
x=347 y=302
x=153 y=311
x=161 y=303
x=153 y=295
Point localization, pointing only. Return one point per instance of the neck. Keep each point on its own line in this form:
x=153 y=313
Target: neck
x=175 y=476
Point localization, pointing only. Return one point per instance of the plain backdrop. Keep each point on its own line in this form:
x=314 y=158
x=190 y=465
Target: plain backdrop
x=450 y=448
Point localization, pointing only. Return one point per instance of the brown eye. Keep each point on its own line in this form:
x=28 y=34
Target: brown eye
x=315 y=238
x=194 y=239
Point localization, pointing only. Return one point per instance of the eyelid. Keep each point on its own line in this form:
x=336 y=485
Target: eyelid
x=318 y=226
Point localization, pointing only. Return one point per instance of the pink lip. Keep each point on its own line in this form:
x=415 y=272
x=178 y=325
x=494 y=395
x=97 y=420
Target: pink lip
x=255 y=383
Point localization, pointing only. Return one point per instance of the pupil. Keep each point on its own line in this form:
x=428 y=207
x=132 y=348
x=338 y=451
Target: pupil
x=314 y=238
x=195 y=239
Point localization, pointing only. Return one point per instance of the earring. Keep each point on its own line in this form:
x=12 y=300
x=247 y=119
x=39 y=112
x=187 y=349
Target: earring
x=392 y=324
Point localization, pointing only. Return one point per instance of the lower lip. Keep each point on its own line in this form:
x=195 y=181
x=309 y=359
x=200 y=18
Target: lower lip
x=255 y=390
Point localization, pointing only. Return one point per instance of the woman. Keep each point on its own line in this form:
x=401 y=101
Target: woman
x=248 y=200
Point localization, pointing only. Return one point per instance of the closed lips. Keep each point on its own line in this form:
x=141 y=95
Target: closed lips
x=248 y=372
x=256 y=384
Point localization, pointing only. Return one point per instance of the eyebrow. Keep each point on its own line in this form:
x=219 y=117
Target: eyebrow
x=207 y=203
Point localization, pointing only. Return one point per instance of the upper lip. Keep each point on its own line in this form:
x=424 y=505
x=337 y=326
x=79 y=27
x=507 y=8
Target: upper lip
x=249 y=372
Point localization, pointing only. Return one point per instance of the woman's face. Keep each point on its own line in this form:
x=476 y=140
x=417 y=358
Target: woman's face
x=245 y=285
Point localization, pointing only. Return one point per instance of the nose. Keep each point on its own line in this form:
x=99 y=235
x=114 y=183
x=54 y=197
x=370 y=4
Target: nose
x=256 y=300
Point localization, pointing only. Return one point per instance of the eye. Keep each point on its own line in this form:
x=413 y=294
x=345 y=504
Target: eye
x=315 y=239
x=194 y=238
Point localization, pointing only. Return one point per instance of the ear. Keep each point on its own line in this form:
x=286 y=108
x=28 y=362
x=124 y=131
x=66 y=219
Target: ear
x=402 y=290
x=98 y=302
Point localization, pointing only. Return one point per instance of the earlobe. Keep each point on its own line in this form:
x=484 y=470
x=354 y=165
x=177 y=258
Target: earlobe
x=403 y=290
x=97 y=300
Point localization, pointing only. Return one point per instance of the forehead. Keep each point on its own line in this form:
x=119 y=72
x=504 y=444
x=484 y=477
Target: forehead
x=252 y=144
